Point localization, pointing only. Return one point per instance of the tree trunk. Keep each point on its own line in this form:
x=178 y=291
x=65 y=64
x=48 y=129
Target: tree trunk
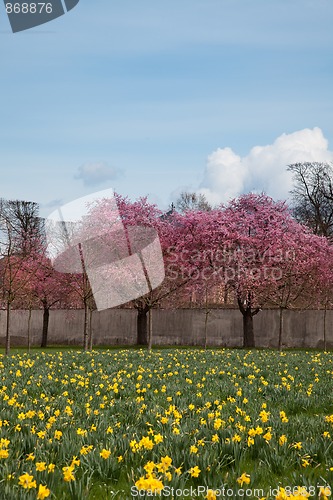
x=150 y=329
x=29 y=323
x=90 y=330
x=225 y=295
x=206 y=329
x=142 y=330
x=206 y=319
x=325 y=340
x=280 y=328
x=46 y=317
x=248 y=313
x=7 y=328
x=85 y=327
x=248 y=331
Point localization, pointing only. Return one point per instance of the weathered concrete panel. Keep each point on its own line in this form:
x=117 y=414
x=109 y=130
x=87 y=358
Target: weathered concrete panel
x=173 y=327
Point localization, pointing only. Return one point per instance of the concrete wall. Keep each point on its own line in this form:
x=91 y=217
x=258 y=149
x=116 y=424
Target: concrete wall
x=178 y=327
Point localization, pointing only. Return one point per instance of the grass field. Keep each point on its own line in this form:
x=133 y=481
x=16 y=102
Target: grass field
x=127 y=423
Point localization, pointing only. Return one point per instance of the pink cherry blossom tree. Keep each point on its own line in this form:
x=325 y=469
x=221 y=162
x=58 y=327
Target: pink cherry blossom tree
x=172 y=232
x=300 y=280
x=51 y=289
x=16 y=272
x=258 y=238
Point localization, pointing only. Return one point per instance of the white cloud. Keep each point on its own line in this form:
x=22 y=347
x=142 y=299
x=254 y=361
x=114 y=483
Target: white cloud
x=93 y=174
x=264 y=169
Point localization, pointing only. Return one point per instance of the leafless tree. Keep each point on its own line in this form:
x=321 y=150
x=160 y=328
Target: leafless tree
x=313 y=196
x=26 y=227
x=19 y=229
x=192 y=201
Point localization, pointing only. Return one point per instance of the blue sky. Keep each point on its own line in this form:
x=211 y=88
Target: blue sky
x=152 y=97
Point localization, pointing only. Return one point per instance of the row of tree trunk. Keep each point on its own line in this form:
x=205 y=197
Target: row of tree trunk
x=145 y=327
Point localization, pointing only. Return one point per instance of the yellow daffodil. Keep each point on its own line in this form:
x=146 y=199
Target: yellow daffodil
x=43 y=492
x=105 y=453
x=244 y=478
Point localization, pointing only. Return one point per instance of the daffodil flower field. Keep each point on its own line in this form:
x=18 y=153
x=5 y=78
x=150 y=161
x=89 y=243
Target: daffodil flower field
x=168 y=423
